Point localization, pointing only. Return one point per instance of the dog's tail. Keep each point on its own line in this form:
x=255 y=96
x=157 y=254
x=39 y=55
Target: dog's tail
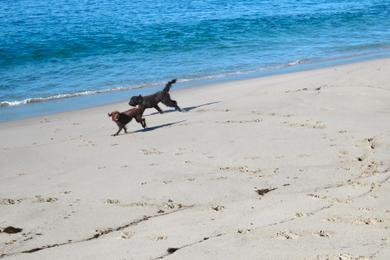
x=168 y=85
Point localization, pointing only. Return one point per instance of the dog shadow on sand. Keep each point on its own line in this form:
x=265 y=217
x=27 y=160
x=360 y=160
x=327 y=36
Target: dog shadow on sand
x=148 y=129
x=185 y=109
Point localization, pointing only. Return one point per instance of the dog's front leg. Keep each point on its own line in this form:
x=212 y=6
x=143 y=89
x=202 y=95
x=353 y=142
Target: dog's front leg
x=117 y=133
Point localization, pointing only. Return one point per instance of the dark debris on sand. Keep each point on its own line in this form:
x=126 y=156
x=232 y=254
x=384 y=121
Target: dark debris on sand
x=172 y=250
x=11 y=230
x=262 y=192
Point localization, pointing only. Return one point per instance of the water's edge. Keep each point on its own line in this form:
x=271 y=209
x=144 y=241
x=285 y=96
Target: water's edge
x=87 y=100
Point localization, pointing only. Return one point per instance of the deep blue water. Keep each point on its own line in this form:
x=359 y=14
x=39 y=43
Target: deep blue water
x=49 y=49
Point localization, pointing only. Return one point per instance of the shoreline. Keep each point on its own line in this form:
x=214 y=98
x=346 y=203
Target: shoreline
x=50 y=107
x=291 y=166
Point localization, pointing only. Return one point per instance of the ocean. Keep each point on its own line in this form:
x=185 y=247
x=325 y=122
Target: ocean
x=64 y=49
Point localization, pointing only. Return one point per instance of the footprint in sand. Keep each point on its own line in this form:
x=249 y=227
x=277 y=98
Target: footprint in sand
x=372 y=168
x=286 y=234
x=367 y=221
x=272 y=114
x=334 y=219
x=307 y=124
x=316 y=89
x=300 y=214
x=371 y=142
x=365 y=209
x=243 y=231
x=323 y=233
x=152 y=151
x=240 y=169
x=316 y=196
x=218 y=208
x=112 y=201
x=170 y=205
x=341 y=200
x=7 y=201
x=40 y=199
x=357 y=221
x=70 y=214
x=158 y=237
x=239 y=121
x=133 y=204
x=8 y=243
x=343 y=256
x=86 y=143
x=126 y=235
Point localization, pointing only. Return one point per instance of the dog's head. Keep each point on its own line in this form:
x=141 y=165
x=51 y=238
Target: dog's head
x=136 y=100
x=114 y=115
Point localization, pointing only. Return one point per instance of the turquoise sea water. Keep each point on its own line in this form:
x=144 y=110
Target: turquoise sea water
x=56 y=49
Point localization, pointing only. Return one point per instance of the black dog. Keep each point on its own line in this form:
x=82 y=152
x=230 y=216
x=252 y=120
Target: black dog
x=153 y=100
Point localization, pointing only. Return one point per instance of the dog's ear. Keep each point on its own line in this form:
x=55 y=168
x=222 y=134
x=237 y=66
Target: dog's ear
x=114 y=115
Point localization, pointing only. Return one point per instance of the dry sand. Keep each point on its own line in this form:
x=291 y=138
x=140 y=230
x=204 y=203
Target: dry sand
x=293 y=166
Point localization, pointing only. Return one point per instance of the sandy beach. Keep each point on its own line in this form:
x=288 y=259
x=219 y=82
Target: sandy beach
x=292 y=166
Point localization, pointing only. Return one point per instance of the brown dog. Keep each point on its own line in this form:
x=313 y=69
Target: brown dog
x=123 y=118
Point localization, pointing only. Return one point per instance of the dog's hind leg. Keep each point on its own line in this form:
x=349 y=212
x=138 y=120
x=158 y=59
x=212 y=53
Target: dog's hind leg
x=171 y=103
x=158 y=109
x=141 y=121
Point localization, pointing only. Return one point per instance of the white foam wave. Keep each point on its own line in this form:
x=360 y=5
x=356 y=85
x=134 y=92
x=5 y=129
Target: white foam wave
x=61 y=96
x=94 y=92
